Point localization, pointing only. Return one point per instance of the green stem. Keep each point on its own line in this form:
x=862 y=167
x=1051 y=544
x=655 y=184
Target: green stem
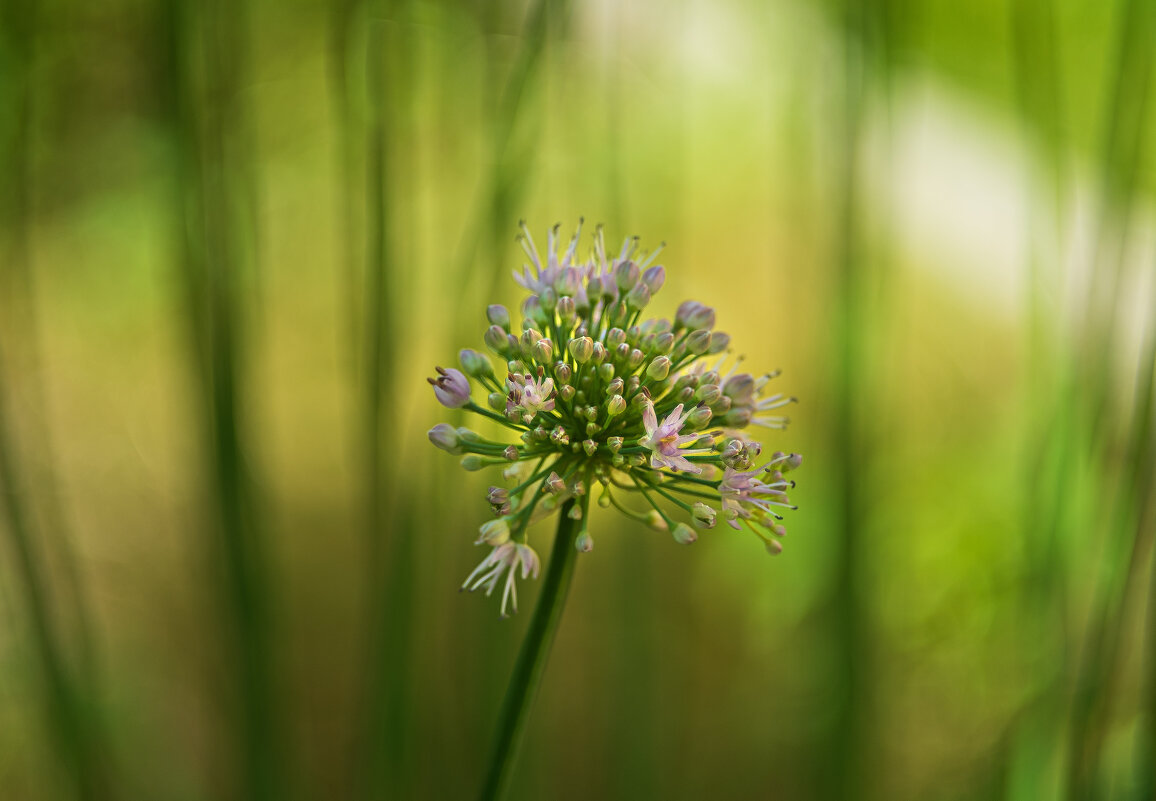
x=531 y=662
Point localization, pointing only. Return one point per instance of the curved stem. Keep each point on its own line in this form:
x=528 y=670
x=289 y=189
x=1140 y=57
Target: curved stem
x=531 y=662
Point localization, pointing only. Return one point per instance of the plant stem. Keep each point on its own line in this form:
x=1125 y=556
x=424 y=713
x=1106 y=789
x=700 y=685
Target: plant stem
x=532 y=658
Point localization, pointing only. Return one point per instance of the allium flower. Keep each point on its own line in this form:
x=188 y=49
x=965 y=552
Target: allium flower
x=587 y=380
x=665 y=441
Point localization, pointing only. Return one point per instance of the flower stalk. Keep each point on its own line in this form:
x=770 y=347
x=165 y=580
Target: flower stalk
x=532 y=658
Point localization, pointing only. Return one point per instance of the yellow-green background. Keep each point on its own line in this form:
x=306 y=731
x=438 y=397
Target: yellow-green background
x=237 y=236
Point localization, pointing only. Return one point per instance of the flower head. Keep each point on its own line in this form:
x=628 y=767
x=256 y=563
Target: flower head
x=588 y=379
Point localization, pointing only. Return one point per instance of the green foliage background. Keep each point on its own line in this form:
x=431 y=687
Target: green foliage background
x=235 y=238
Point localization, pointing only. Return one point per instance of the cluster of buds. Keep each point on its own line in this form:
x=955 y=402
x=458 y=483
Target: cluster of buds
x=587 y=382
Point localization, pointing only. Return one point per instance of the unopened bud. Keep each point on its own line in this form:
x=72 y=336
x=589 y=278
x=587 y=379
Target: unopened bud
x=663 y=343
x=495 y=339
x=473 y=462
x=638 y=297
x=615 y=337
x=659 y=368
x=567 y=310
x=684 y=534
x=498 y=315
x=590 y=446
x=654 y=278
x=511 y=453
x=543 y=351
x=626 y=275
x=693 y=314
x=699 y=417
x=656 y=521
x=698 y=342
x=475 y=364
x=581 y=348
x=718 y=342
x=444 y=436
x=708 y=394
x=584 y=543
x=615 y=406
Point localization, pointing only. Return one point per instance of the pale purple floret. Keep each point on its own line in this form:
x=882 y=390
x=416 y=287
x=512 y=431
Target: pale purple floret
x=741 y=489
x=504 y=559
x=451 y=387
x=529 y=396
x=664 y=440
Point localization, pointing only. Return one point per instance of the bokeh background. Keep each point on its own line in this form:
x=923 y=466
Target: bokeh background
x=237 y=236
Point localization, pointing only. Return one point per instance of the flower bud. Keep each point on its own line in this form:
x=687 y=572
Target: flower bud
x=659 y=368
x=543 y=351
x=626 y=275
x=656 y=521
x=475 y=364
x=615 y=337
x=698 y=342
x=445 y=436
x=738 y=417
x=774 y=547
x=718 y=342
x=511 y=453
x=635 y=359
x=708 y=394
x=684 y=534
x=622 y=352
x=606 y=372
x=493 y=532
x=566 y=393
x=584 y=543
x=638 y=297
x=615 y=444
x=599 y=354
x=498 y=315
x=581 y=348
x=663 y=343
x=532 y=310
x=495 y=339
x=559 y=436
x=549 y=299
x=590 y=446
x=562 y=373
x=615 y=406
x=451 y=387
x=472 y=462
x=703 y=515
x=615 y=387
x=654 y=278
x=699 y=417
x=693 y=314
x=794 y=462
x=567 y=311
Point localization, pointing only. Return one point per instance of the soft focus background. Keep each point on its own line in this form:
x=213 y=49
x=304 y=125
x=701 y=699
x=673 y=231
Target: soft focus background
x=235 y=237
